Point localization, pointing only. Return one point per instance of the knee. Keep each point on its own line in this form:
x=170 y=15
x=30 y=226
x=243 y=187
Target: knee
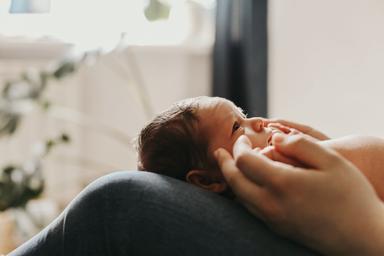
x=111 y=197
x=126 y=188
x=127 y=182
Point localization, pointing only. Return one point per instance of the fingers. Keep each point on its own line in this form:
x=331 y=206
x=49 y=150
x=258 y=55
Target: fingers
x=242 y=145
x=229 y=169
x=244 y=189
x=298 y=126
x=274 y=155
x=257 y=167
x=280 y=127
x=227 y=166
x=284 y=129
x=305 y=150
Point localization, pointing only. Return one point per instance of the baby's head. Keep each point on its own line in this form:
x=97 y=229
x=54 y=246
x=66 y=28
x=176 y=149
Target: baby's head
x=180 y=141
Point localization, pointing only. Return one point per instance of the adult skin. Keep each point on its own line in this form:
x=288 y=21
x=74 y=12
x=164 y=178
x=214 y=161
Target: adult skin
x=328 y=205
x=284 y=124
x=365 y=152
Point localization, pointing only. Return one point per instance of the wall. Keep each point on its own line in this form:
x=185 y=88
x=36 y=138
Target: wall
x=102 y=107
x=326 y=64
x=127 y=87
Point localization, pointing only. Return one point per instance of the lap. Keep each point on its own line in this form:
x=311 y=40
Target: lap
x=141 y=213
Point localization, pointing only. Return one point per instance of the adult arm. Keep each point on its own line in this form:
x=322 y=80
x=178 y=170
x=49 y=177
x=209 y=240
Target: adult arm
x=366 y=153
x=329 y=206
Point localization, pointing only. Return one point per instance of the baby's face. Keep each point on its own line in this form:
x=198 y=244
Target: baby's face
x=223 y=122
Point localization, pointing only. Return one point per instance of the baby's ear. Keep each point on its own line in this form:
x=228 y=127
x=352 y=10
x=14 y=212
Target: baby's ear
x=208 y=180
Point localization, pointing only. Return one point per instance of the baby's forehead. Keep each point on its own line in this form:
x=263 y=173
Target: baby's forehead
x=216 y=110
x=221 y=106
x=215 y=102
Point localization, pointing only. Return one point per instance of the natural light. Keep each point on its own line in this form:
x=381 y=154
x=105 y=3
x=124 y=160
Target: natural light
x=99 y=24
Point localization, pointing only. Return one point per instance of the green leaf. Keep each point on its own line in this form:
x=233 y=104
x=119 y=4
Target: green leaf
x=156 y=10
x=64 y=69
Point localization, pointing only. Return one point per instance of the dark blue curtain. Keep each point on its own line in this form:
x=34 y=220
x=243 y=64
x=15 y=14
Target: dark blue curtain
x=240 y=54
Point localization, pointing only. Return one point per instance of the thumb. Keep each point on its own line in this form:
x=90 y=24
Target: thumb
x=305 y=150
x=226 y=162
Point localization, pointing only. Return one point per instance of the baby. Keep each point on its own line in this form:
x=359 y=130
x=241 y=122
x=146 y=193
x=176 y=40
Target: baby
x=180 y=143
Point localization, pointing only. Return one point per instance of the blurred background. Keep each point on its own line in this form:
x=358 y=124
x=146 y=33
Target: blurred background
x=78 y=80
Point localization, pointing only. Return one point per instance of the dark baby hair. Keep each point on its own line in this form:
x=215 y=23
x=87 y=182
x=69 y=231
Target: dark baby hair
x=172 y=144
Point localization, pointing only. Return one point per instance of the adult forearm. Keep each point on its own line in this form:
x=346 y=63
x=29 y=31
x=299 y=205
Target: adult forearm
x=366 y=153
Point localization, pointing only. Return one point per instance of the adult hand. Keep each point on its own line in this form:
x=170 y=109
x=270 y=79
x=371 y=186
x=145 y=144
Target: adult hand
x=330 y=206
x=287 y=126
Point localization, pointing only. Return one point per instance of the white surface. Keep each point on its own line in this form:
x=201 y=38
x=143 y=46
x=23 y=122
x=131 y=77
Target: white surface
x=326 y=64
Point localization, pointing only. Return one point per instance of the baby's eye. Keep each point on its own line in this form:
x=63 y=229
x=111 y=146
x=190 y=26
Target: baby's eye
x=235 y=127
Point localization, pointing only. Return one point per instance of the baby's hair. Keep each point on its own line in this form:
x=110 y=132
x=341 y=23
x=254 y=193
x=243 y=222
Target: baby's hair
x=172 y=144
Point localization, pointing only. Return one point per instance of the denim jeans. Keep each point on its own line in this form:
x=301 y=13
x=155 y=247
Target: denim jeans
x=141 y=213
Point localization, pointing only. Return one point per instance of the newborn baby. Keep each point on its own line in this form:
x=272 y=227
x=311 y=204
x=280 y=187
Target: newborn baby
x=180 y=143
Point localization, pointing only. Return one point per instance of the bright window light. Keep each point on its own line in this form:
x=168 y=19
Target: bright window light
x=91 y=24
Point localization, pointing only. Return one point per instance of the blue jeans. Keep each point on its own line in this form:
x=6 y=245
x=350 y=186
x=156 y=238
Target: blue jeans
x=141 y=213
